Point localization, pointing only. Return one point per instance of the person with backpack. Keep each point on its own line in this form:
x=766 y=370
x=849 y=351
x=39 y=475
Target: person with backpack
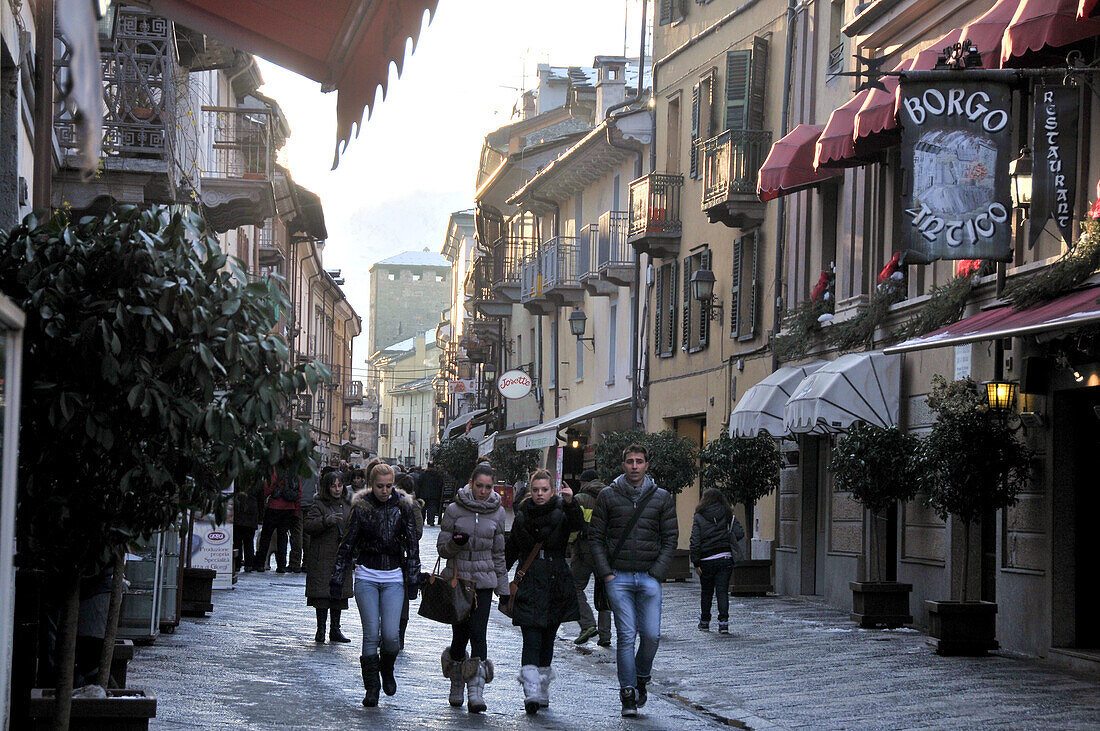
x=283 y=491
x=633 y=537
x=715 y=548
x=542 y=596
x=581 y=566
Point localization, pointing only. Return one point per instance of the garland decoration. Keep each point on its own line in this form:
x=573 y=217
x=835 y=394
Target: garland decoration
x=805 y=319
x=859 y=331
x=1070 y=271
x=944 y=307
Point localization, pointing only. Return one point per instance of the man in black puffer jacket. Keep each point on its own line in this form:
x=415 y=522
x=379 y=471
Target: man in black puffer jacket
x=631 y=561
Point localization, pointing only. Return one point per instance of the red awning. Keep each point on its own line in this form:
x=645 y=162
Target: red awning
x=836 y=146
x=1039 y=25
x=790 y=164
x=986 y=31
x=346 y=45
x=1067 y=312
x=878 y=114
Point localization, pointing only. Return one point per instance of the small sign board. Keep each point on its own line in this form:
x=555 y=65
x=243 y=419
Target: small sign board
x=514 y=384
x=956 y=146
x=463 y=386
x=1054 y=161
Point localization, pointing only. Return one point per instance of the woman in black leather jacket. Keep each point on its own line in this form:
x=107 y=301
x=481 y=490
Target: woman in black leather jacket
x=382 y=543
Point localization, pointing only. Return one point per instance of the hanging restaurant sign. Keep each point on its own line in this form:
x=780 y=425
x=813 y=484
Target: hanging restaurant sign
x=956 y=149
x=1054 y=167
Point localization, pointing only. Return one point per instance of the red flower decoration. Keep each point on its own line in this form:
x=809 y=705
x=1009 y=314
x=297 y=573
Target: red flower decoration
x=891 y=266
x=1094 y=211
x=966 y=267
x=821 y=287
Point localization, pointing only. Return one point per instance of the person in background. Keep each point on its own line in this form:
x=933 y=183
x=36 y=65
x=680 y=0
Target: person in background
x=430 y=490
x=544 y=594
x=246 y=516
x=283 y=491
x=471 y=539
x=309 y=493
x=405 y=484
x=382 y=546
x=581 y=566
x=715 y=548
x=325 y=523
x=357 y=481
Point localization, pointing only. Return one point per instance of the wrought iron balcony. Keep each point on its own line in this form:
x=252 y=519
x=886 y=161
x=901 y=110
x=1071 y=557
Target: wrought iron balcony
x=508 y=252
x=655 y=225
x=563 y=265
x=731 y=162
x=236 y=166
x=139 y=72
x=480 y=296
x=270 y=252
x=533 y=295
x=611 y=259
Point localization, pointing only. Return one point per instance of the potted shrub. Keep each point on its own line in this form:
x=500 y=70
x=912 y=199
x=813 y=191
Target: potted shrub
x=875 y=465
x=457 y=456
x=673 y=465
x=745 y=470
x=154 y=379
x=970 y=464
x=510 y=464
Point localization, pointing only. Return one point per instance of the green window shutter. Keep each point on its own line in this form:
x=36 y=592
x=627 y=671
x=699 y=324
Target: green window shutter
x=685 y=327
x=758 y=79
x=671 y=329
x=658 y=311
x=735 y=295
x=704 y=317
x=737 y=88
x=749 y=329
x=712 y=103
x=694 y=131
x=670 y=11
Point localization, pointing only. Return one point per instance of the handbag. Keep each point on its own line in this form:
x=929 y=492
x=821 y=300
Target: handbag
x=445 y=599
x=507 y=608
x=599 y=596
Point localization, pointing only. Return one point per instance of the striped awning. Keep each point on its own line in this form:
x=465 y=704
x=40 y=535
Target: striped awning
x=855 y=387
x=762 y=406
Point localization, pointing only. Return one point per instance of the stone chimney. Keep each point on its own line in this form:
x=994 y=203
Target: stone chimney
x=611 y=84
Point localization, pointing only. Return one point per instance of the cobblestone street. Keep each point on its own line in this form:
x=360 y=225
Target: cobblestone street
x=788 y=663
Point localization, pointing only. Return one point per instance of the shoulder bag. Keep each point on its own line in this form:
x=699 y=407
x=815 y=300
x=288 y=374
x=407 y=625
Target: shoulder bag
x=599 y=596
x=445 y=599
x=507 y=607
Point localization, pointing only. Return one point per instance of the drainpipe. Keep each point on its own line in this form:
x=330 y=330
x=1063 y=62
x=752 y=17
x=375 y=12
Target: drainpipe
x=793 y=9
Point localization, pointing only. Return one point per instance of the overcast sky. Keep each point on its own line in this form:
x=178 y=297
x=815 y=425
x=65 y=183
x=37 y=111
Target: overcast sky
x=414 y=161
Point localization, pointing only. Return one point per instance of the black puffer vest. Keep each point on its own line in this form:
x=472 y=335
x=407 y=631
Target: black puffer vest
x=381 y=535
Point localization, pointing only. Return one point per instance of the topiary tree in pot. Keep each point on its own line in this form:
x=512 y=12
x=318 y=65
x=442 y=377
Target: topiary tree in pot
x=971 y=464
x=673 y=459
x=745 y=470
x=153 y=380
x=457 y=456
x=876 y=466
x=510 y=464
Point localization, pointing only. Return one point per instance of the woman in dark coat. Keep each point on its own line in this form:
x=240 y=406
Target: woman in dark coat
x=325 y=523
x=715 y=547
x=545 y=596
x=246 y=516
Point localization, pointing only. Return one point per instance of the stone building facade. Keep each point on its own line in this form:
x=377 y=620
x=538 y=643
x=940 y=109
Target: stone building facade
x=407 y=293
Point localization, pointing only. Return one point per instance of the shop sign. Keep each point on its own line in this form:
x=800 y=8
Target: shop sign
x=463 y=386
x=538 y=440
x=212 y=548
x=1054 y=161
x=514 y=384
x=956 y=147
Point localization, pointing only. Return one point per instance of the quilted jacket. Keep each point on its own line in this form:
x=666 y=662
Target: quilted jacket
x=481 y=560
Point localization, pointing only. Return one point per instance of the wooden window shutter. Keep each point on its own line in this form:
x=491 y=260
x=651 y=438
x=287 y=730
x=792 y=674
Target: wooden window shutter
x=670 y=11
x=749 y=328
x=694 y=131
x=735 y=294
x=685 y=327
x=659 y=311
x=758 y=79
x=712 y=120
x=671 y=329
x=704 y=317
x=737 y=88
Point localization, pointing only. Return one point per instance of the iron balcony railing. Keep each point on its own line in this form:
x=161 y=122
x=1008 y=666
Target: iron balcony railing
x=655 y=204
x=731 y=162
x=508 y=252
x=530 y=278
x=562 y=262
x=138 y=70
x=238 y=142
x=610 y=246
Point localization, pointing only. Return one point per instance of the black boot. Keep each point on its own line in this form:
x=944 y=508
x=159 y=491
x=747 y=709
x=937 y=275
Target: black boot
x=639 y=689
x=334 y=634
x=371 y=683
x=322 y=615
x=389 y=683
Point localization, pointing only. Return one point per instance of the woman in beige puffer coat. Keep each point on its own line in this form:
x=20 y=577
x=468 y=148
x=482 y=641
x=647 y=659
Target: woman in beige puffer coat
x=471 y=539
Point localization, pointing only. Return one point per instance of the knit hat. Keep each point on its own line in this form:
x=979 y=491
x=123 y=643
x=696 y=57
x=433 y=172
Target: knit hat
x=589 y=475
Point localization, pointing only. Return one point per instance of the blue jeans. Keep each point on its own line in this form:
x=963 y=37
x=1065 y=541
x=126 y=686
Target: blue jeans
x=635 y=599
x=380 y=611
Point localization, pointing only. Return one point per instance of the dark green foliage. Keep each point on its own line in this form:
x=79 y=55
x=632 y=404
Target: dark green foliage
x=875 y=465
x=945 y=306
x=511 y=465
x=744 y=469
x=1053 y=281
x=457 y=456
x=971 y=462
x=800 y=326
x=673 y=459
x=859 y=331
x=152 y=376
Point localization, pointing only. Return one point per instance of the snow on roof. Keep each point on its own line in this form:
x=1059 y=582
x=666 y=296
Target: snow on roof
x=416 y=259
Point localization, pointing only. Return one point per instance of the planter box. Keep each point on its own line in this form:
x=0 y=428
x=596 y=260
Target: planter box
x=962 y=628
x=752 y=577
x=680 y=569
x=196 y=592
x=124 y=653
x=126 y=709
x=880 y=603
